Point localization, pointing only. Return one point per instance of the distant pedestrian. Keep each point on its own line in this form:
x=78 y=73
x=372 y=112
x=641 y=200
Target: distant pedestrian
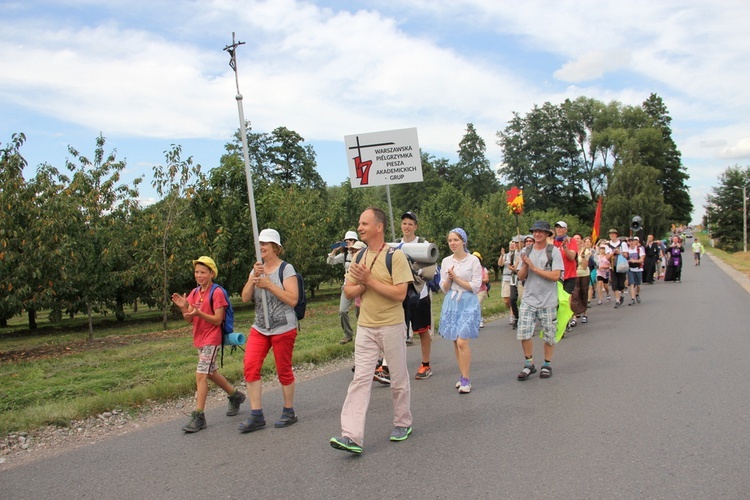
x=580 y=301
x=460 y=279
x=342 y=254
x=674 y=260
x=205 y=310
x=603 y=266
x=616 y=248
x=506 y=273
x=636 y=255
x=651 y=264
x=516 y=285
x=483 y=290
x=697 y=252
x=279 y=332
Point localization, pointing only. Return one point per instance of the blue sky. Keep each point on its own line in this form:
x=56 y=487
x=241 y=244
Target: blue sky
x=151 y=74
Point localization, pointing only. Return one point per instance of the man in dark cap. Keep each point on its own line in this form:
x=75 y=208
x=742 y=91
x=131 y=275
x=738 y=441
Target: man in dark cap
x=540 y=267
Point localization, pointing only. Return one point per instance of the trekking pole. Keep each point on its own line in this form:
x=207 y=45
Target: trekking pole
x=248 y=174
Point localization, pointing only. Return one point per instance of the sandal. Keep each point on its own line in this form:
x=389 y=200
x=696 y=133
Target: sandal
x=545 y=372
x=527 y=371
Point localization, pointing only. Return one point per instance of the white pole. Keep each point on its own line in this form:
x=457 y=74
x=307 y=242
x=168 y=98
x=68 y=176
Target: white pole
x=248 y=173
x=390 y=211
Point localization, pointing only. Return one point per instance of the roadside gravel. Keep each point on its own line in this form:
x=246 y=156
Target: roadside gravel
x=22 y=447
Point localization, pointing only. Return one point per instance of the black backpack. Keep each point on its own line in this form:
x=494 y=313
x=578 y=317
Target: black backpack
x=299 y=309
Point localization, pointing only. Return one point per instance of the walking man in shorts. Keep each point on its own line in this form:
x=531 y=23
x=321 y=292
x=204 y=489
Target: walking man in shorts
x=541 y=268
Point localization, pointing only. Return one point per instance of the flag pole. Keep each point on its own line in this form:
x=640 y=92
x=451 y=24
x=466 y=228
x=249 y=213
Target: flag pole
x=248 y=174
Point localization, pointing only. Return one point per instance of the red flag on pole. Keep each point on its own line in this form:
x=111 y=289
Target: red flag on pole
x=515 y=200
x=597 y=222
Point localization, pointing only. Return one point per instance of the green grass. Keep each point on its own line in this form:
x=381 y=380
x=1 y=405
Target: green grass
x=738 y=260
x=57 y=388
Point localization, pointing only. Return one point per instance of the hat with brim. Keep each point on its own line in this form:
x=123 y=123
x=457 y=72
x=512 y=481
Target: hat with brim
x=208 y=262
x=613 y=230
x=358 y=245
x=269 y=236
x=541 y=225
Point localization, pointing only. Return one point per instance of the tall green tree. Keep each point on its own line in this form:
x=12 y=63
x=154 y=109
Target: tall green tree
x=588 y=117
x=162 y=250
x=540 y=155
x=664 y=156
x=14 y=213
x=724 y=208
x=634 y=191
x=472 y=173
x=412 y=195
x=100 y=200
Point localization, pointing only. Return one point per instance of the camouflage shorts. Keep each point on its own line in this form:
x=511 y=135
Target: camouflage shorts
x=207 y=359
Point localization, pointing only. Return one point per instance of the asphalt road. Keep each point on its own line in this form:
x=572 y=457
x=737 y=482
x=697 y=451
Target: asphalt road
x=649 y=401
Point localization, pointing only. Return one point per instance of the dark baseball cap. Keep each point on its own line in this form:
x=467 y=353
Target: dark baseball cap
x=410 y=215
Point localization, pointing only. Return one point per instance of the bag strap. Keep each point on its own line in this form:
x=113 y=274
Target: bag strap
x=281 y=273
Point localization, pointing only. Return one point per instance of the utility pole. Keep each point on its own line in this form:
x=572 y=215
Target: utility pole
x=744 y=216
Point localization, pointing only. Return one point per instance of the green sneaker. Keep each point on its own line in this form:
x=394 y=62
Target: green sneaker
x=235 y=400
x=400 y=433
x=346 y=444
x=197 y=422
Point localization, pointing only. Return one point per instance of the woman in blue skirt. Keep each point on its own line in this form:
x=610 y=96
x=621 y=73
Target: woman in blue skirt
x=460 y=279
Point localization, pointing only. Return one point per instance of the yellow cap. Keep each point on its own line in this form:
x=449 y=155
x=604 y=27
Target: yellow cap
x=477 y=255
x=208 y=262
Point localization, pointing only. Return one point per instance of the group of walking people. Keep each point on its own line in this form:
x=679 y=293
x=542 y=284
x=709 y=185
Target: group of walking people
x=377 y=278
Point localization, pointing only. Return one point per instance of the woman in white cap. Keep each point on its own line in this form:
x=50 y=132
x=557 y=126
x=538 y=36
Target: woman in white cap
x=278 y=281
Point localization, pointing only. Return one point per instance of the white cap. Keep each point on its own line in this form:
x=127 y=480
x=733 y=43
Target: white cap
x=359 y=245
x=561 y=224
x=351 y=235
x=269 y=236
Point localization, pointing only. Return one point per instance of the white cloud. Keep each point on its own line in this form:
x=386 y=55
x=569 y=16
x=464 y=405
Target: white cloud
x=593 y=65
x=740 y=150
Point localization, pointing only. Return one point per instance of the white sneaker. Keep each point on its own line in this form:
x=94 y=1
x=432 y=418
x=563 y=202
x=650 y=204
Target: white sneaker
x=481 y=323
x=465 y=389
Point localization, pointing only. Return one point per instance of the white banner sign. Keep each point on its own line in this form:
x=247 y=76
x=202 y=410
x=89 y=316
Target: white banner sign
x=382 y=158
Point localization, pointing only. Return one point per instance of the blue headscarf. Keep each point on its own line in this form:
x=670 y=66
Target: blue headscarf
x=463 y=236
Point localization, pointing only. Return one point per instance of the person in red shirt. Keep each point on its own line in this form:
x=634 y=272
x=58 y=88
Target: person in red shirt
x=206 y=312
x=569 y=250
